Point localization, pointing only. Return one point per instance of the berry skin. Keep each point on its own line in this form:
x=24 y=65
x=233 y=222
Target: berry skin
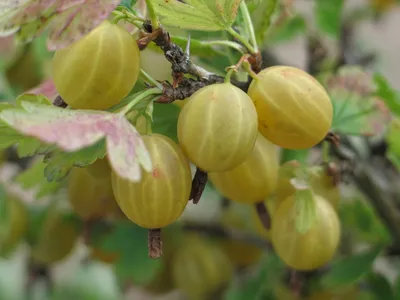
x=16 y=225
x=89 y=197
x=217 y=127
x=309 y=250
x=254 y=179
x=294 y=110
x=161 y=195
x=200 y=267
x=99 y=70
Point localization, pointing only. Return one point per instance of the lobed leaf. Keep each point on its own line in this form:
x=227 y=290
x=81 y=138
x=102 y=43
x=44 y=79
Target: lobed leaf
x=206 y=15
x=68 y=21
x=385 y=92
x=380 y=286
x=349 y=270
x=357 y=111
x=287 y=30
x=134 y=263
x=74 y=130
x=329 y=16
x=33 y=177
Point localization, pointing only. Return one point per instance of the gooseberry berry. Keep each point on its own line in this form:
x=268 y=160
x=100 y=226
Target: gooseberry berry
x=100 y=169
x=55 y=239
x=254 y=179
x=24 y=73
x=200 y=267
x=241 y=254
x=217 y=127
x=305 y=250
x=294 y=110
x=99 y=70
x=14 y=225
x=161 y=195
x=90 y=198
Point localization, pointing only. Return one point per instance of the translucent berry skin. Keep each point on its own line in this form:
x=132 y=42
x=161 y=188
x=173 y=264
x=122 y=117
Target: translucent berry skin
x=89 y=197
x=16 y=227
x=254 y=179
x=217 y=127
x=57 y=239
x=200 y=267
x=309 y=250
x=294 y=110
x=99 y=70
x=161 y=195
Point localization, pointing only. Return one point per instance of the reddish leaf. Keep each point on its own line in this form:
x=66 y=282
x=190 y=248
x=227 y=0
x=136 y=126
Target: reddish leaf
x=76 y=19
x=68 y=20
x=46 y=88
x=72 y=130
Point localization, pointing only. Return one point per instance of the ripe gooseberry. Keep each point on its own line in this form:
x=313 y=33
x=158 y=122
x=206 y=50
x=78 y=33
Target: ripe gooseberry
x=294 y=110
x=241 y=254
x=254 y=179
x=311 y=249
x=99 y=169
x=55 y=239
x=99 y=70
x=15 y=225
x=161 y=195
x=217 y=127
x=90 y=198
x=200 y=267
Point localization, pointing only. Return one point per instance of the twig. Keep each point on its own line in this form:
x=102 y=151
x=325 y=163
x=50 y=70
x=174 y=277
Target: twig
x=155 y=243
x=198 y=184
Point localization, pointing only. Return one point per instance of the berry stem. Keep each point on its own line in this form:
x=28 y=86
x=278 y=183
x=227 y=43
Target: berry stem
x=263 y=214
x=155 y=243
x=198 y=184
x=152 y=14
x=246 y=65
x=249 y=26
x=139 y=97
x=150 y=79
x=237 y=36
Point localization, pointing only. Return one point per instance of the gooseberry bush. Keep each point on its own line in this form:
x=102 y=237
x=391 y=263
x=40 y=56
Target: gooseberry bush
x=158 y=148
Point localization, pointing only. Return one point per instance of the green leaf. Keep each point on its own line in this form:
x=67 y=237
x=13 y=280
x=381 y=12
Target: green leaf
x=33 y=177
x=380 y=286
x=289 y=29
x=396 y=288
x=128 y=4
x=356 y=110
x=60 y=163
x=349 y=270
x=329 y=16
x=75 y=130
x=261 y=282
x=206 y=15
x=130 y=241
x=165 y=120
x=197 y=47
x=392 y=137
x=262 y=13
x=385 y=92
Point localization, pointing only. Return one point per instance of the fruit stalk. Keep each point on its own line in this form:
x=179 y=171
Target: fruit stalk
x=155 y=243
x=198 y=184
x=263 y=214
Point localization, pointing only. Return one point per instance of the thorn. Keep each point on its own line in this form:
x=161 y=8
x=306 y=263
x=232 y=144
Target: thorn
x=187 y=50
